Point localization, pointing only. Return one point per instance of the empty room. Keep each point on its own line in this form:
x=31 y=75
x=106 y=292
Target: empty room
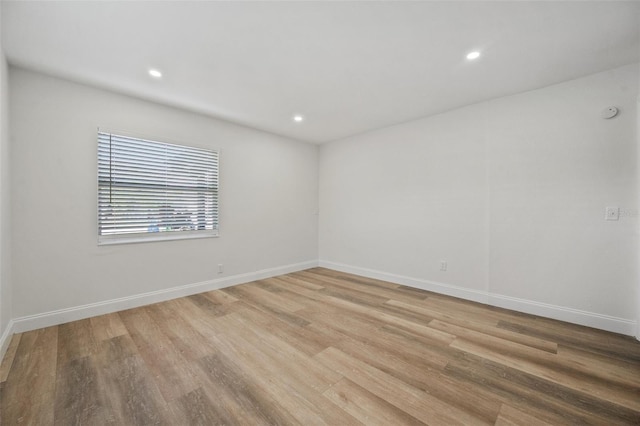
x=319 y=212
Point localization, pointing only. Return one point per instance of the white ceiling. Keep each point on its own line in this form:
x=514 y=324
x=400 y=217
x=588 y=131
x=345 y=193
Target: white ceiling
x=348 y=67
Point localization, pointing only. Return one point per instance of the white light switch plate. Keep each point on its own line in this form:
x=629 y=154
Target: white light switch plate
x=612 y=213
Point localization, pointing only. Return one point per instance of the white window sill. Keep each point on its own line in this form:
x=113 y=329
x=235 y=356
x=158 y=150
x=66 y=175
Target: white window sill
x=148 y=238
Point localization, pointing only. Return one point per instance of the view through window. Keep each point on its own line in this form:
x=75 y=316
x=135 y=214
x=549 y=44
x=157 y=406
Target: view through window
x=155 y=190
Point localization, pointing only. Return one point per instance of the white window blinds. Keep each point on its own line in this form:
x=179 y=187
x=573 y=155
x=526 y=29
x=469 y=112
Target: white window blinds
x=155 y=190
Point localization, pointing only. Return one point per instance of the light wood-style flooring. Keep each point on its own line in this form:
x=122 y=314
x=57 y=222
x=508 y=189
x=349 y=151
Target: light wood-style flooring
x=319 y=347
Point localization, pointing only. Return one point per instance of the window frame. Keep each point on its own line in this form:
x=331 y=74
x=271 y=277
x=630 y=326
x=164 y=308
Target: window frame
x=153 y=236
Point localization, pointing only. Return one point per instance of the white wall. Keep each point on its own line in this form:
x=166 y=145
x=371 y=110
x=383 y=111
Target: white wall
x=268 y=200
x=510 y=192
x=5 y=229
x=638 y=229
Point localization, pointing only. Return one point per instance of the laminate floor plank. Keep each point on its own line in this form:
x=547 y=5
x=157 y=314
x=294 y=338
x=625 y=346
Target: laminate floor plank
x=270 y=307
x=609 y=369
x=423 y=353
x=28 y=394
x=168 y=316
x=107 y=326
x=482 y=327
x=318 y=273
x=580 y=372
x=301 y=295
x=290 y=286
x=291 y=361
x=616 y=343
x=305 y=339
x=318 y=300
x=319 y=347
x=205 y=302
x=618 y=347
x=544 y=400
x=510 y=416
x=78 y=397
x=127 y=384
x=547 y=400
x=308 y=284
x=368 y=408
x=609 y=394
x=358 y=297
x=9 y=356
x=329 y=282
x=413 y=401
x=75 y=340
x=423 y=330
x=174 y=376
x=219 y=298
x=468 y=310
x=360 y=287
x=236 y=393
x=423 y=376
x=198 y=409
x=293 y=392
x=254 y=293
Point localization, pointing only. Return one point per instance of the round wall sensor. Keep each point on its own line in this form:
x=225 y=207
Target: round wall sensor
x=609 y=112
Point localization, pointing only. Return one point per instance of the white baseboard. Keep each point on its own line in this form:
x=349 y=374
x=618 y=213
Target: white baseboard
x=61 y=316
x=5 y=339
x=575 y=316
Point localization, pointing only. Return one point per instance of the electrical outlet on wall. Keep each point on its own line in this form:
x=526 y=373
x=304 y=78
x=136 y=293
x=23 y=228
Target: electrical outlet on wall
x=443 y=265
x=612 y=213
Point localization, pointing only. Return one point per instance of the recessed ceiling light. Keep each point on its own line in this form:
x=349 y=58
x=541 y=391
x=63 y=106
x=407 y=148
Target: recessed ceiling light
x=298 y=118
x=473 y=55
x=155 y=73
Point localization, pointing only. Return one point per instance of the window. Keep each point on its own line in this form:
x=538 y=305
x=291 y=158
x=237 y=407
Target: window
x=150 y=190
